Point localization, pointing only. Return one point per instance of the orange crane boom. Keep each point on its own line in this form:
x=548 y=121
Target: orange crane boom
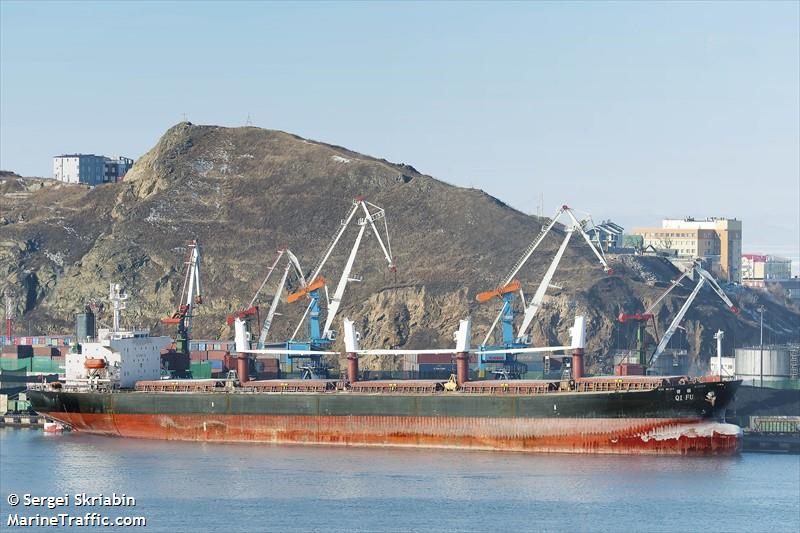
x=498 y=292
x=314 y=285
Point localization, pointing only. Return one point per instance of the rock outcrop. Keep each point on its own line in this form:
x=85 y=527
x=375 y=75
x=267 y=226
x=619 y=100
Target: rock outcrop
x=245 y=192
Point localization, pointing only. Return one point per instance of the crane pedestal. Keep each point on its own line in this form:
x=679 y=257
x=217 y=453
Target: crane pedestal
x=352 y=367
x=577 y=363
x=462 y=368
x=243 y=368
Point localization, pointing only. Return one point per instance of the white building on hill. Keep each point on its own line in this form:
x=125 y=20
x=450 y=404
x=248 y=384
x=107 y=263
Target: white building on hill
x=89 y=168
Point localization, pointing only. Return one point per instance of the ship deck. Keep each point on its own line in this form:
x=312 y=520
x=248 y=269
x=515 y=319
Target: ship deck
x=587 y=385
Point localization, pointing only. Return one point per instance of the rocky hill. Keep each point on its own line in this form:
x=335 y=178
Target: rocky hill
x=245 y=192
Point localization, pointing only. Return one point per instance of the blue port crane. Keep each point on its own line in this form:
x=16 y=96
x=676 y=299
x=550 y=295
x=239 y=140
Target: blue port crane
x=320 y=335
x=507 y=290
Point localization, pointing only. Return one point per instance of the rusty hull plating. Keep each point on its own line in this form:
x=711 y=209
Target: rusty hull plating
x=648 y=415
x=599 y=435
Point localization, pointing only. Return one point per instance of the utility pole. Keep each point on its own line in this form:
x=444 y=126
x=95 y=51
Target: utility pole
x=761 y=309
x=719 y=335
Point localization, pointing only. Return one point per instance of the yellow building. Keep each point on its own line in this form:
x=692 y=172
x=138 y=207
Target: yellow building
x=718 y=240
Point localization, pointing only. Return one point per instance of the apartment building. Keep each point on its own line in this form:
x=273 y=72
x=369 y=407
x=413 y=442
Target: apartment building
x=717 y=240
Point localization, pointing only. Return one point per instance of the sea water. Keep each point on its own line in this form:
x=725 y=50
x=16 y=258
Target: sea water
x=188 y=487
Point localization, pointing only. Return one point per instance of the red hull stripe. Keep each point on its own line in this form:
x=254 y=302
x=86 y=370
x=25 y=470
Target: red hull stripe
x=584 y=435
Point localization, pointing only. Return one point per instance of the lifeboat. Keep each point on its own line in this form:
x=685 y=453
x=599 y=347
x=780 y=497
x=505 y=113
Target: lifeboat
x=94 y=364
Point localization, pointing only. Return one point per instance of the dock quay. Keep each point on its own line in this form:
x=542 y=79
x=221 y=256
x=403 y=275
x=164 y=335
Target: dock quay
x=772 y=434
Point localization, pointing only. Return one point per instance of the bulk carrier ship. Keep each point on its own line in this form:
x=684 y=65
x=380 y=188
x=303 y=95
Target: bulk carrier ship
x=611 y=414
x=113 y=388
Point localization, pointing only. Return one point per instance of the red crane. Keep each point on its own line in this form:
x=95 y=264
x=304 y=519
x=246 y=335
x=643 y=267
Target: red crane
x=643 y=318
x=190 y=296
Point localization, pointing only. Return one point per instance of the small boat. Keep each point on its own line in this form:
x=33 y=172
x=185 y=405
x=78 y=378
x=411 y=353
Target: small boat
x=53 y=427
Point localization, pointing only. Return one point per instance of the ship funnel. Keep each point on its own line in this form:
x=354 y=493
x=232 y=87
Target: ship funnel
x=578 y=333
x=240 y=335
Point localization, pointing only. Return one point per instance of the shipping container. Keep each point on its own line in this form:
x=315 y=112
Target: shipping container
x=197 y=355
x=436 y=370
x=426 y=358
x=24 y=351
x=16 y=364
x=45 y=365
x=46 y=351
x=629 y=369
x=201 y=370
x=494 y=357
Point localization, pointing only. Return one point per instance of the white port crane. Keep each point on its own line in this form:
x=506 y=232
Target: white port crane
x=372 y=214
x=238 y=318
x=510 y=285
x=705 y=277
x=292 y=262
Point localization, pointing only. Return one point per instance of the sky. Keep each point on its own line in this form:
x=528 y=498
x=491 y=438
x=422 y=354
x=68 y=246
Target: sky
x=631 y=111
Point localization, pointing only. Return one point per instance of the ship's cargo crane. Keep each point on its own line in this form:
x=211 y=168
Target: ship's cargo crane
x=190 y=296
x=643 y=318
x=462 y=338
x=509 y=287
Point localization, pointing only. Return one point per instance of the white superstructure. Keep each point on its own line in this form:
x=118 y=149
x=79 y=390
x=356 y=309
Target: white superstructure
x=129 y=356
x=117 y=358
